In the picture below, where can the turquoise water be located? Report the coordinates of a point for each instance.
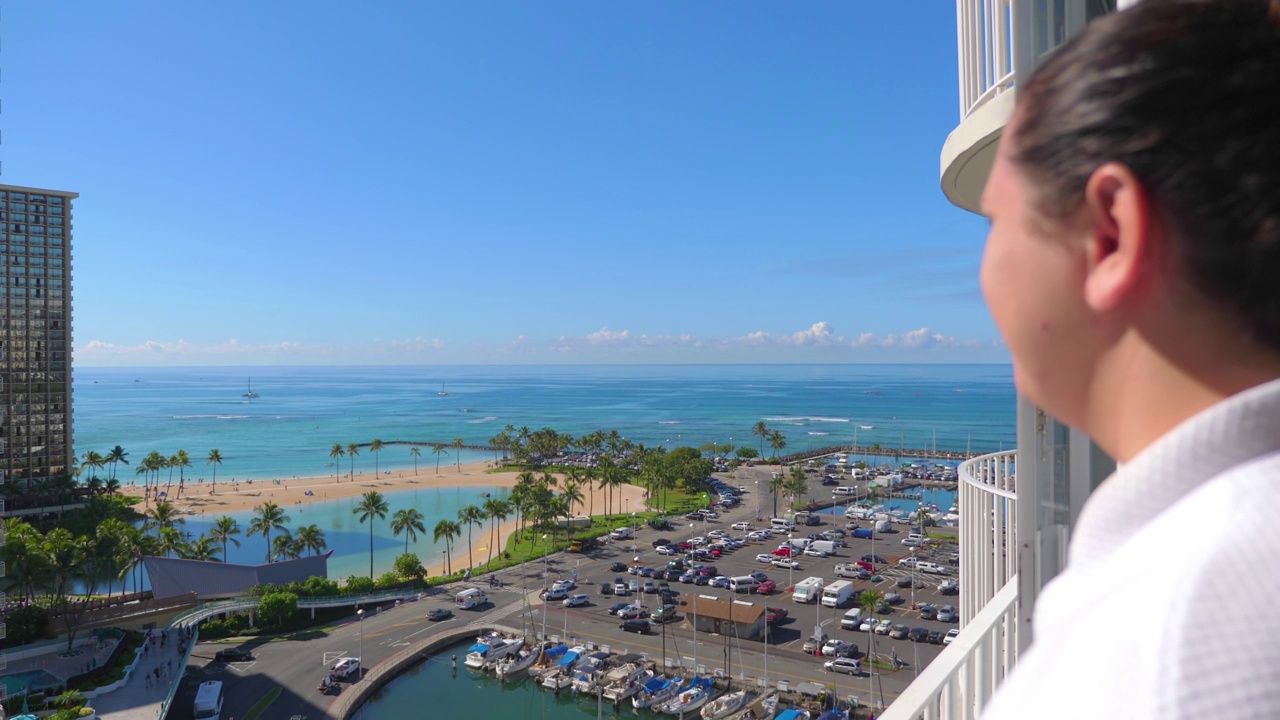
(463, 694)
(303, 411)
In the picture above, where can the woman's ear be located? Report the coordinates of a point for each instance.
(1118, 243)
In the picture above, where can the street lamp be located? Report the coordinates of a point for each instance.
(360, 651)
(913, 577)
(633, 534)
(790, 580)
(757, 501)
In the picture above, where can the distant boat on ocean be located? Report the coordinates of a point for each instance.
(251, 394)
(442, 392)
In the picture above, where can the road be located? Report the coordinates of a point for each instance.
(297, 666)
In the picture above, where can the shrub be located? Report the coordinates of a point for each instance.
(358, 584)
(409, 566)
(26, 624)
(388, 580)
(280, 605)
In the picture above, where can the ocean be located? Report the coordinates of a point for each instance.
(300, 412)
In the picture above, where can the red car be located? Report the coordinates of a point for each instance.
(775, 614)
(684, 546)
(766, 587)
(865, 565)
(783, 551)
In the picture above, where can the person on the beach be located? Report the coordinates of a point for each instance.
(1132, 267)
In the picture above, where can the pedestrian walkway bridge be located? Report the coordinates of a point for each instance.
(209, 609)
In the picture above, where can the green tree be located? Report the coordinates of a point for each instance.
(284, 547)
(778, 486)
(415, 452)
(447, 530)
(409, 566)
(438, 449)
(495, 510)
(117, 455)
(469, 516)
(165, 515)
(777, 441)
(311, 538)
(214, 459)
(269, 517)
(457, 449)
(336, 452)
(760, 430)
(224, 530)
(409, 522)
(352, 451)
(182, 461)
(371, 507)
(375, 447)
(279, 605)
(202, 549)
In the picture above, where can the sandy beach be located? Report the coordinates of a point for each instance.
(202, 498)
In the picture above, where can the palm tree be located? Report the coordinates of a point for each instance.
(94, 461)
(470, 515)
(269, 517)
(284, 548)
(182, 461)
(202, 549)
(336, 452)
(409, 522)
(117, 455)
(371, 507)
(778, 485)
(352, 451)
(415, 452)
(438, 449)
(761, 431)
(495, 510)
(447, 530)
(777, 441)
(165, 515)
(224, 530)
(215, 459)
(457, 448)
(375, 447)
(311, 539)
(170, 540)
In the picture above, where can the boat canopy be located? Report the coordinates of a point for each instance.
(657, 683)
(630, 658)
(478, 647)
(556, 651)
(570, 657)
(791, 714)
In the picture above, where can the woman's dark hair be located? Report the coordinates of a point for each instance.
(1186, 94)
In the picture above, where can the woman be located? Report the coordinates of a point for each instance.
(1133, 268)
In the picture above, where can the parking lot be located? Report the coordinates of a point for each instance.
(738, 542)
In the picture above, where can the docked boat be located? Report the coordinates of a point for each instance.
(490, 650)
(762, 709)
(724, 706)
(626, 679)
(793, 714)
(699, 692)
(513, 665)
(657, 690)
(547, 660)
(565, 670)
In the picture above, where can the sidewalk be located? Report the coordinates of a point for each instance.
(140, 698)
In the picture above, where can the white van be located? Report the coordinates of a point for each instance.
(851, 619)
(622, 533)
(797, 544)
(208, 705)
(782, 524)
(469, 598)
(744, 584)
(843, 490)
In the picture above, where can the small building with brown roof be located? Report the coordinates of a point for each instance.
(735, 618)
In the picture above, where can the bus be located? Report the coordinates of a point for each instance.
(208, 705)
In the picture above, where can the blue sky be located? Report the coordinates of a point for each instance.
(322, 182)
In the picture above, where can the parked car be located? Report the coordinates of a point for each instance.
(606, 588)
(893, 598)
(767, 587)
(618, 567)
(636, 625)
(765, 558)
(850, 650)
(787, 563)
(832, 646)
(904, 581)
(928, 612)
(783, 551)
(661, 542)
(899, 632)
(883, 627)
(849, 666)
(577, 600)
(242, 655)
(919, 634)
(565, 585)
(719, 581)
(949, 587)
(868, 624)
(936, 636)
(950, 636)
(741, 526)
(616, 608)
(947, 614)
(650, 588)
(647, 572)
(668, 550)
(632, 612)
(874, 559)
(554, 593)
(775, 614)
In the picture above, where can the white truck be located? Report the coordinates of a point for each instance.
(825, 546)
(208, 703)
(837, 593)
(807, 590)
(883, 526)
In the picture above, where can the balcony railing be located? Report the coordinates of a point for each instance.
(958, 684)
(1000, 38)
(988, 529)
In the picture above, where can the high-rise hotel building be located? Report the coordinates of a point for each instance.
(35, 334)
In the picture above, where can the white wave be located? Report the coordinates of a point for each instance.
(802, 420)
(867, 427)
(668, 422)
(210, 417)
(818, 433)
(487, 418)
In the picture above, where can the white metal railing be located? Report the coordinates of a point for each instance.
(988, 502)
(985, 30)
(958, 684)
(998, 39)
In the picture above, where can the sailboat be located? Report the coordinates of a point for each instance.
(762, 709)
(700, 690)
(442, 392)
(251, 394)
